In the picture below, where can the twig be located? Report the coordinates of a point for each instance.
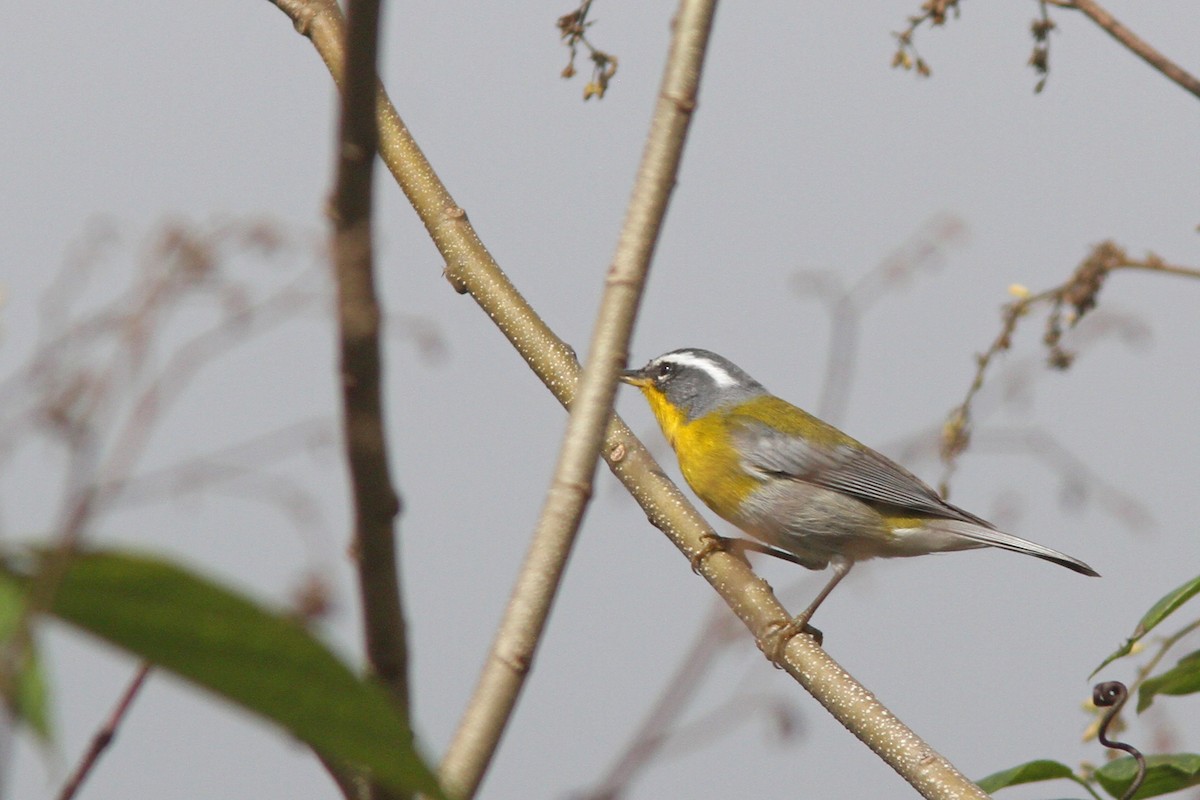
(1146, 670)
(1135, 44)
(932, 12)
(104, 737)
(1069, 303)
(572, 29)
(471, 270)
(376, 503)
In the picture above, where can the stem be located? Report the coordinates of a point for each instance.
(376, 503)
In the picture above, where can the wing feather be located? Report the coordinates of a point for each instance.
(847, 467)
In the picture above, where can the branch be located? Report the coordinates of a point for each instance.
(376, 503)
(471, 269)
(1138, 46)
(1077, 296)
(104, 737)
(487, 715)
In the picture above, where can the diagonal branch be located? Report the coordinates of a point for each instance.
(104, 737)
(471, 269)
(1138, 46)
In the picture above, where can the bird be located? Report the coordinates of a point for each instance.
(809, 492)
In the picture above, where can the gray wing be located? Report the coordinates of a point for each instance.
(859, 472)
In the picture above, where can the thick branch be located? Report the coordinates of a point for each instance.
(375, 501)
(471, 269)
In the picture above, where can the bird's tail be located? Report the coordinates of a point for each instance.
(1006, 541)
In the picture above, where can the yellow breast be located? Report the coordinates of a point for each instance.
(709, 462)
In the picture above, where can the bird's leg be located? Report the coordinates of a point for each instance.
(841, 566)
(739, 547)
(742, 545)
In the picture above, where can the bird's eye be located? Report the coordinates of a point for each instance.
(666, 370)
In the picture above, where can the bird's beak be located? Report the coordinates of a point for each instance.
(634, 377)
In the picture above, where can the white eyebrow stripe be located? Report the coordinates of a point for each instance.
(715, 371)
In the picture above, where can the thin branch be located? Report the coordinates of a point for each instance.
(376, 503)
(104, 737)
(1135, 44)
(1069, 303)
(491, 707)
(471, 270)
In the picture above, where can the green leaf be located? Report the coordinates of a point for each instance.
(1164, 774)
(1029, 772)
(1160, 611)
(1183, 678)
(264, 662)
(24, 690)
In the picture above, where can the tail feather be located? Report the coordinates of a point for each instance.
(1006, 541)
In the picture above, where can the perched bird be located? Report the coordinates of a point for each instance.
(799, 484)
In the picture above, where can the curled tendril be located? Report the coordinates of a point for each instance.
(1112, 695)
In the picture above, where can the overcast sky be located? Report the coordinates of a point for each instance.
(808, 152)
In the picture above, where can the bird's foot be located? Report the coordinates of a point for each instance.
(712, 543)
(786, 630)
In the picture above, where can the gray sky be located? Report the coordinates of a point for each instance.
(807, 153)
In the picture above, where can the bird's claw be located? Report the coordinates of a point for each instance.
(785, 634)
(712, 543)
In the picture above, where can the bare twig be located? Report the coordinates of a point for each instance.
(1069, 303)
(104, 737)
(1078, 478)
(1135, 44)
(471, 269)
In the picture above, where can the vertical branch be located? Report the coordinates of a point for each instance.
(376, 503)
(508, 664)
